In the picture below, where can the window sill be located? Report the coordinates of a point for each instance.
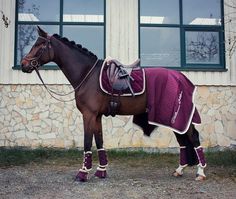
(50, 67)
(201, 69)
(191, 69)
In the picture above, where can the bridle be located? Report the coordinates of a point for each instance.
(34, 61)
(35, 64)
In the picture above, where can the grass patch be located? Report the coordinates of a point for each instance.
(23, 156)
(222, 158)
(140, 157)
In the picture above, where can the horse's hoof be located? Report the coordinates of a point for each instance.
(101, 174)
(200, 178)
(82, 176)
(177, 174)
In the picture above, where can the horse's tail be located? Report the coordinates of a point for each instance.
(142, 121)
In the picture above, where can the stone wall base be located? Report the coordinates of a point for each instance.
(31, 118)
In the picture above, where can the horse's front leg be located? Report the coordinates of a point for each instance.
(89, 129)
(102, 155)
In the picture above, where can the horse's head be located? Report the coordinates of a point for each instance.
(41, 53)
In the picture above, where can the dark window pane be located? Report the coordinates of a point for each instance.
(38, 10)
(91, 37)
(159, 11)
(83, 11)
(202, 12)
(160, 46)
(202, 47)
(27, 35)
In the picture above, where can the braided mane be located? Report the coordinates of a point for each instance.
(76, 46)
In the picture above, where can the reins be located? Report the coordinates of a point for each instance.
(34, 63)
(51, 92)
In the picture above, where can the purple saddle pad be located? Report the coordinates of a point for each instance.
(137, 84)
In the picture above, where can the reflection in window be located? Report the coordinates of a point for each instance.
(87, 37)
(38, 10)
(202, 47)
(160, 46)
(82, 18)
(181, 33)
(159, 11)
(83, 11)
(27, 34)
(202, 12)
(26, 38)
(48, 15)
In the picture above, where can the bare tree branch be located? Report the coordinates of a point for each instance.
(231, 19)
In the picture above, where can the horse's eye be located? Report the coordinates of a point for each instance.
(36, 45)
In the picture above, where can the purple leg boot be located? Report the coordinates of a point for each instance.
(182, 162)
(201, 164)
(183, 156)
(200, 156)
(103, 162)
(87, 166)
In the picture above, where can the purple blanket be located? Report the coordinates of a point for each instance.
(170, 99)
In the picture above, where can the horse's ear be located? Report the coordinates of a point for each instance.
(41, 32)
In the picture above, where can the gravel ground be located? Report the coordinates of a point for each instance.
(124, 181)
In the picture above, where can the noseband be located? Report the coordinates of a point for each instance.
(34, 61)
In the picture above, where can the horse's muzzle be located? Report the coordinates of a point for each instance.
(26, 67)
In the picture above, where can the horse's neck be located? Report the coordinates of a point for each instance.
(73, 65)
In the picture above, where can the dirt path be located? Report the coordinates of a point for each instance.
(125, 181)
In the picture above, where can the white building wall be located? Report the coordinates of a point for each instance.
(122, 30)
(121, 43)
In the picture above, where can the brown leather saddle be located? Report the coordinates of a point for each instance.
(119, 75)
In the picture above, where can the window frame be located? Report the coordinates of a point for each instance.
(59, 23)
(183, 28)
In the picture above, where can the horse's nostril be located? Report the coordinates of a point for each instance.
(23, 67)
(24, 62)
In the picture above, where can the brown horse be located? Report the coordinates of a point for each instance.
(82, 69)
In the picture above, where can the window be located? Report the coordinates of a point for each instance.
(182, 34)
(80, 20)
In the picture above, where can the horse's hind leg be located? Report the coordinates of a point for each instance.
(183, 161)
(102, 155)
(191, 152)
(193, 136)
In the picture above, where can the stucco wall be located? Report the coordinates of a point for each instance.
(30, 117)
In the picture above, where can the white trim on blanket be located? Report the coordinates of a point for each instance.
(123, 95)
(189, 121)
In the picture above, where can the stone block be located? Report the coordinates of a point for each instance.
(219, 129)
(118, 122)
(231, 129)
(203, 92)
(47, 136)
(222, 140)
(20, 134)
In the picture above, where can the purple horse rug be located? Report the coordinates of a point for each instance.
(170, 100)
